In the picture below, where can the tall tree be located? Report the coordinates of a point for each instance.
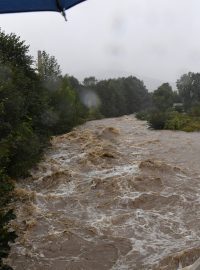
(189, 89)
(13, 51)
(163, 97)
(48, 69)
(90, 81)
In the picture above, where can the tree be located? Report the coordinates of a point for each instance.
(13, 52)
(74, 83)
(163, 97)
(66, 110)
(136, 94)
(121, 96)
(189, 89)
(48, 68)
(66, 106)
(90, 81)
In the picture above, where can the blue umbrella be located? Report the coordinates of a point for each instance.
(13, 6)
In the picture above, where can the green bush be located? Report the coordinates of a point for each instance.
(176, 121)
(6, 236)
(184, 122)
(195, 110)
(94, 114)
(157, 119)
(173, 120)
(192, 125)
(142, 115)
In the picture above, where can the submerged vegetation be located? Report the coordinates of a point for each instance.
(39, 102)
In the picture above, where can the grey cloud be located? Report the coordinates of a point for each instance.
(149, 38)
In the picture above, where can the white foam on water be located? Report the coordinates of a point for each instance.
(115, 171)
(65, 190)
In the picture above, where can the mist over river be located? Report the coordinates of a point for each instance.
(111, 195)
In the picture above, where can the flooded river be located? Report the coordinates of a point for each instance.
(111, 195)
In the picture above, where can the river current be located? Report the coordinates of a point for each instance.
(111, 195)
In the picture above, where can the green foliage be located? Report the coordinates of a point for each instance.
(6, 236)
(142, 115)
(189, 89)
(66, 106)
(195, 110)
(184, 122)
(23, 154)
(173, 117)
(163, 97)
(173, 120)
(121, 96)
(176, 121)
(14, 52)
(65, 109)
(23, 132)
(157, 119)
(193, 125)
(48, 67)
(93, 114)
(6, 188)
(168, 113)
(90, 81)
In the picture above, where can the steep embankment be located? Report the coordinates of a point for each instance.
(111, 195)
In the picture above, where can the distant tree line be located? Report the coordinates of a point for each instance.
(118, 96)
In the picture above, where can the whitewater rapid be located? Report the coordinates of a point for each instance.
(111, 195)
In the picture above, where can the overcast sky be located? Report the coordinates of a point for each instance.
(152, 39)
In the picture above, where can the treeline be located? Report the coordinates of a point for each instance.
(117, 96)
(175, 110)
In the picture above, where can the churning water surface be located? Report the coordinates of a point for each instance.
(111, 195)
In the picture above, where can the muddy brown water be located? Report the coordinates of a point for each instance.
(111, 195)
